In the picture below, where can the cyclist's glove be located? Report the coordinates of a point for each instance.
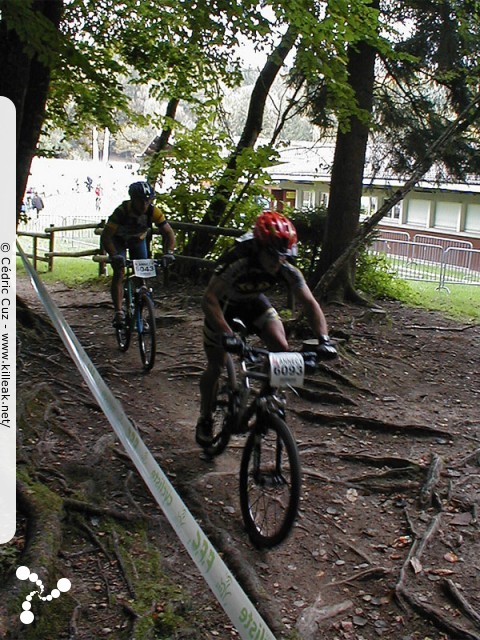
(325, 349)
(231, 343)
(118, 259)
(167, 259)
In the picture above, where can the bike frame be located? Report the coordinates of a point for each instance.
(131, 293)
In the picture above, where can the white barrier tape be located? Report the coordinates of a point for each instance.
(246, 619)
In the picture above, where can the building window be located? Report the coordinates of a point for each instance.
(308, 199)
(472, 218)
(447, 215)
(369, 205)
(394, 212)
(418, 212)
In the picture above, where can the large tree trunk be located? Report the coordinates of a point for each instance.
(25, 80)
(347, 177)
(201, 243)
(469, 116)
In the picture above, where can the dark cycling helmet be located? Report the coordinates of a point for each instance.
(142, 190)
(272, 230)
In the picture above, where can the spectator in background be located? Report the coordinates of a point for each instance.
(37, 203)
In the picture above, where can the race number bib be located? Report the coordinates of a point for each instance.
(144, 268)
(286, 369)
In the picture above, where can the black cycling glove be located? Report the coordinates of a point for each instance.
(325, 348)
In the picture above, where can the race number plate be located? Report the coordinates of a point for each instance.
(286, 369)
(144, 268)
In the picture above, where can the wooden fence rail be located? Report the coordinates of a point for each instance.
(49, 234)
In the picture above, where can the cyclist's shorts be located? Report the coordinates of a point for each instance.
(254, 313)
(137, 249)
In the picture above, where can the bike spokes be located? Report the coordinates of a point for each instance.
(146, 331)
(270, 483)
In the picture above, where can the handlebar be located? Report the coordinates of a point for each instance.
(238, 345)
(162, 262)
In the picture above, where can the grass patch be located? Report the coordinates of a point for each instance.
(377, 278)
(71, 271)
(460, 301)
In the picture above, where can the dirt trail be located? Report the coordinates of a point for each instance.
(388, 540)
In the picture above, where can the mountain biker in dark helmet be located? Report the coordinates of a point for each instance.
(128, 228)
(255, 264)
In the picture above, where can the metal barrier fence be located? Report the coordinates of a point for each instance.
(443, 242)
(429, 262)
(58, 230)
(386, 234)
(436, 260)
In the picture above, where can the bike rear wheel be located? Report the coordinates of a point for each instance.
(124, 333)
(147, 340)
(224, 411)
(270, 481)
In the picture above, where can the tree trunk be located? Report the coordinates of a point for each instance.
(347, 177)
(469, 116)
(201, 243)
(25, 81)
(159, 145)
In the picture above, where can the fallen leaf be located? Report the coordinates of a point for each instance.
(462, 519)
(441, 572)
(451, 557)
(416, 564)
(402, 541)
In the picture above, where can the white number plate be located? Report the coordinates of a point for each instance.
(144, 268)
(286, 369)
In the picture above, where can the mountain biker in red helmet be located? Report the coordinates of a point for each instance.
(256, 264)
(128, 228)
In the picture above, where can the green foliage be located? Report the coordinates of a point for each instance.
(310, 225)
(377, 279)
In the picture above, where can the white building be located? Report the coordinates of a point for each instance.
(450, 210)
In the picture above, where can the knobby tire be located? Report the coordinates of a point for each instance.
(270, 481)
(147, 339)
(124, 333)
(224, 409)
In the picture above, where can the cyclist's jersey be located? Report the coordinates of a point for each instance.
(128, 225)
(240, 268)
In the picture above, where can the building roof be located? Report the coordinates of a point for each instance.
(309, 162)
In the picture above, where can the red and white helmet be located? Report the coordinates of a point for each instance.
(274, 231)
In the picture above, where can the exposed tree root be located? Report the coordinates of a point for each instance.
(380, 461)
(362, 422)
(324, 396)
(416, 326)
(90, 509)
(372, 573)
(44, 513)
(453, 591)
(433, 614)
(243, 572)
(426, 494)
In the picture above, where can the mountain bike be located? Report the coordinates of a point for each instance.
(270, 474)
(138, 307)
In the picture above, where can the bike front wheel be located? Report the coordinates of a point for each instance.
(270, 481)
(123, 333)
(224, 411)
(147, 340)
